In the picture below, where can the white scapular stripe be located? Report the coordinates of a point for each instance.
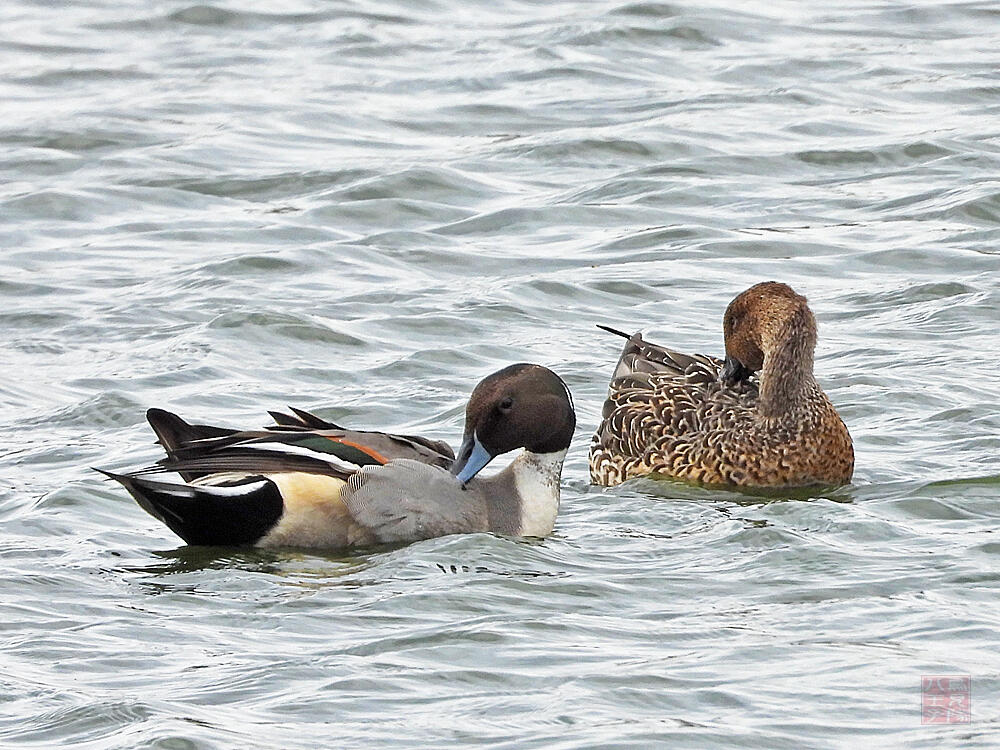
(298, 450)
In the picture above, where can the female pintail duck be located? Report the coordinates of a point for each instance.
(310, 483)
(700, 419)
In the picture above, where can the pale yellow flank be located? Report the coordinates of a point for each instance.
(314, 516)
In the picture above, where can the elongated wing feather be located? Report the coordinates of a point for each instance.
(196, 451)
(641, 357)
(300, 419)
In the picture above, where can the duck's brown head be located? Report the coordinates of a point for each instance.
(522, 406)
(765, 319)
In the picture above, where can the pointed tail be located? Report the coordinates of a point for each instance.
(233, 514)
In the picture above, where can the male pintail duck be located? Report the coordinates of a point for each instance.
(700, 419)
(310, 483)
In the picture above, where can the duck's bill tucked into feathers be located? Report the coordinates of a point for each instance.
(523, 405)
(308, 482)
(757, 419)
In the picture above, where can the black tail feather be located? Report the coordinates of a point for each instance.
(236, 514)
(615, 331)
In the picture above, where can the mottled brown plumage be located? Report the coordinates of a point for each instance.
(759, 419)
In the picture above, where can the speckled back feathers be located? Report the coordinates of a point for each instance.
(674, 414)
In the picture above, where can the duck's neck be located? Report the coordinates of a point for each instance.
(526, 497)
(787, 376)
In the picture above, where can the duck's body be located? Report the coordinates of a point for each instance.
(759, 419)
(309, 483)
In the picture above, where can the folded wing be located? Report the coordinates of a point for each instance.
(303, 444)
(406, 500)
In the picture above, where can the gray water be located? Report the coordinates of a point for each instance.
(362, 209)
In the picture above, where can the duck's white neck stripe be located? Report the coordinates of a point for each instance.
(536, 478)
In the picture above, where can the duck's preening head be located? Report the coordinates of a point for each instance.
(521, 406)
(764, 318)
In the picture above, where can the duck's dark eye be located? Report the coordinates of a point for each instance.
(506, 404)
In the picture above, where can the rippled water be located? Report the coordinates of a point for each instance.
(363, 209)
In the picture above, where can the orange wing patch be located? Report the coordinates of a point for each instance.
(357, 446)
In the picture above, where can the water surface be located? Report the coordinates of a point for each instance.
(364, 210)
